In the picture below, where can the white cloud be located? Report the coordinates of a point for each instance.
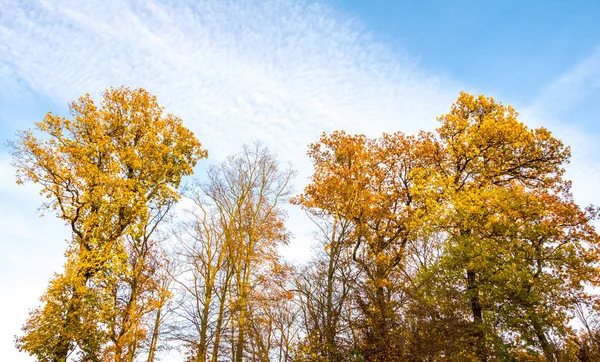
(571, 87)
(551, 109)
(274, 70)
(279, 71)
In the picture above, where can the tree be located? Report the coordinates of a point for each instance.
(511, 225)
(248, 190)
(370, 184)
(468, 243)
(100, 171)
(204, 278)
(138, 292)
(460, 245)
(324, 291)
(230, 256)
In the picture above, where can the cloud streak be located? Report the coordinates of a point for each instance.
(571, 87)
(275, 70)
(551, 109)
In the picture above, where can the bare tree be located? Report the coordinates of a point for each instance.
(229, 252)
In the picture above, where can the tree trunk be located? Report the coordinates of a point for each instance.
(154, 340)
(202, 348)
(547, 346)
(478, 332)
(218, 327)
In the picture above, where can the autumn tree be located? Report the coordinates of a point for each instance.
(370, 184)
(584, 346)
(468, 241)
(460, 245)
(323, 289)
(138, 294)
(272, 314)
(203, 279)
(250, 189)
(99, 170)
(519, 249)
(231, 261)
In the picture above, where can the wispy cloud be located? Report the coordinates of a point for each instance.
(281, 71)
(571, 87)
(278, 71)
(552, 109)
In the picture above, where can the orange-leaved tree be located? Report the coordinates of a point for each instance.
(376, 185)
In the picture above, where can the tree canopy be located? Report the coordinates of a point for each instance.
(460, 244)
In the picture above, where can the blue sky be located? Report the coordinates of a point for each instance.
(512, 49)
(509, 47)
(282, 71)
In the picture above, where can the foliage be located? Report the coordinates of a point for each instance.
(463, 244)
(107, 172)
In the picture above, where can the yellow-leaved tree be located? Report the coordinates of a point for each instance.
(109, 172)
(519, 250)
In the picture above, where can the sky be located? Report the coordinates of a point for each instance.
(282, 72)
